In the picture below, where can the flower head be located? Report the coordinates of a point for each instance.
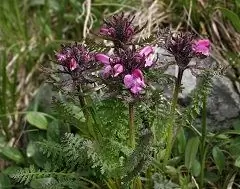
(180, 46)
(119, 29)
(73, 57)
(184, 47)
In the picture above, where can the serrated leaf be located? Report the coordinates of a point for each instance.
(191, 151)
(53, 131)
(37, 119)
(219, 158)
(40, 183)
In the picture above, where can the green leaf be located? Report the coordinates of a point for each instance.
(237, 162)
(181, 141)
(53, 131)
(191, 151)
(42, 183)
(233, 17)
(236, 125)
(31, 149)
(37, 119)
(13, 154)
(219, 158)
(196, 168)
(4, 182)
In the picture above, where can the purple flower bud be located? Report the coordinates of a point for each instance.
(134, 81)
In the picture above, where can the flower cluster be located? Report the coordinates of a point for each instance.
(184, 47)
(127, 64)
(76, 61)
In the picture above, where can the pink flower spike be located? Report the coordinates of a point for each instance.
(103, 58)
(118, 68)
(73, 64)
(202, 46)
(146, 51)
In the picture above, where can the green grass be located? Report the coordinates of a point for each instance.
(30, 32)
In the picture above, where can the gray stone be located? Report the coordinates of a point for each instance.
(223, 105)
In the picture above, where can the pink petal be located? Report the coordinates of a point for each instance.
(128, 81)
(137, 74)
(61, 57)
(73, 64)
(139, 82)
(103, 58)
(202, 46)
(118, 68)
(146, 51)
(104, 31)
(149, 61)
(107, 71)
(130, 31)
(136, 89)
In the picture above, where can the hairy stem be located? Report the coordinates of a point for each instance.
(203, 140)
(87, 113)
(171, 120)
(131, 125)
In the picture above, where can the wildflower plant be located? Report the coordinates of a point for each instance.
(114, 97)
(183, 47)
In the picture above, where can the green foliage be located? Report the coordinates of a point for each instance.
(160, 182)
(203, 88)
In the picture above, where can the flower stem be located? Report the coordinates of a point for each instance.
(131, 125)
(203, 140)
(172, 115)
(87, 113)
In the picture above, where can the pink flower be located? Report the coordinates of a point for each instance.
(147, 52)
(134, 81)
(202, 46)
(109, 69)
